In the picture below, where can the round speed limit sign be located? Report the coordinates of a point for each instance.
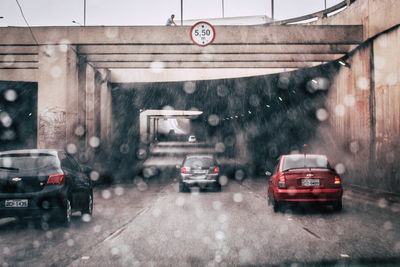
(202, 33)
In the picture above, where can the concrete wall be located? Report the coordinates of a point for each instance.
(376, 16)
(364, 108)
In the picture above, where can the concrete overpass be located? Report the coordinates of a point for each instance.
(73, 68)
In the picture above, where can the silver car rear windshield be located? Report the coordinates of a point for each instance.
(305, 161)
(17, 162)
(199, 162)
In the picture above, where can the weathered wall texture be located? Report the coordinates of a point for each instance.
(364, 108)
(376, 16)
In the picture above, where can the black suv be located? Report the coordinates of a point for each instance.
(43, 183)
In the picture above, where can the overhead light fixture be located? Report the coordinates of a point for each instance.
(344, 63)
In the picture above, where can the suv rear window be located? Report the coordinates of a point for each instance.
(28, 161)
(305, 161)
(201, 161)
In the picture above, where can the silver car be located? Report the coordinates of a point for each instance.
(199, 170)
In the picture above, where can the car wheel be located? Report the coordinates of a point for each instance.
(218, 187)
(337, 205)
(66, 212)
(88, 209)
(269, 200)
(276, 206)
(182, 187)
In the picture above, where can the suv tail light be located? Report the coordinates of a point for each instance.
(56, 179)
(337, 180)
(183, 170)
(282, 181)
(216, 169)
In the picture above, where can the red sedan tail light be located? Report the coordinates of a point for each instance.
(216, 169)
(183, 170)
(282, 181)
(56, 179)
(337, 180)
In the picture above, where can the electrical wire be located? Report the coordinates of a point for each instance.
(30, 29)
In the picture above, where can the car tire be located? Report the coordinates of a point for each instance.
(182, 187)
(218, 187)
(337, 205)
(88, 208)
(277, 206)
(66, 212)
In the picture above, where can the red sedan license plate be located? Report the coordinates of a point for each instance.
(16, 203)
(310, 182)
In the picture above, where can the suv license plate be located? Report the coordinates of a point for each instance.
(16, 203)
(310, 182)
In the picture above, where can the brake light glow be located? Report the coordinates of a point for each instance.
(282, 182)
(183, 170)
(337, 180)
(56, 179)
(216, 169)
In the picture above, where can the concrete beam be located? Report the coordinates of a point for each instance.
(176, 75)
(214, 57)
(216, 49)
(19, 50)
(19, 75)
(18, 58)
(204, 65)
(261, 34)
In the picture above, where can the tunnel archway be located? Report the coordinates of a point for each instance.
(256, 118)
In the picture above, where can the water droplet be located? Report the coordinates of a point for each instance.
(114, 251)
(80, 130)
(322, 114)
(106, 194)
(222, 218)
(10, 95)
(94, 141)
(71, 148)
(219, 147)
(180, 201)
(70, 242)
(213, 120)
(94, 176)
(340, 168)
(156, 212)
(141, 154)
(217, 205)
(56, 71)
(86, 218)
(239, 175)
(363, 83)
(5, 119)
(223, 180)
(222, 90)
(354, 147)
(124, 148)
(238, 197)
(388, 226)
(189, 87)
(340, 110)
(219, 235)
(349, 100)
(36, 244)
(157, 66)
(119, 190)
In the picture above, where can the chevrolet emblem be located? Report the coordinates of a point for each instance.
(16, 179)
(310, 175)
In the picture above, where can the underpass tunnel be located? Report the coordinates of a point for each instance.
(253, 119)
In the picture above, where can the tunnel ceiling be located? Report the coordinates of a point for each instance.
(277, 48)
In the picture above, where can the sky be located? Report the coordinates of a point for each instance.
(146, 12)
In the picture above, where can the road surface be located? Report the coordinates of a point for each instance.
(154, 225)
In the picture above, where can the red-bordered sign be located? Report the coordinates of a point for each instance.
(202, 33)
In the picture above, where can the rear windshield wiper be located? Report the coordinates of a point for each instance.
(9, 168)
(295, 168)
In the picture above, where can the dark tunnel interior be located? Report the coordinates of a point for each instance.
(273, 114)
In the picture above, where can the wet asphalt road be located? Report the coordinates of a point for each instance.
(155, 225)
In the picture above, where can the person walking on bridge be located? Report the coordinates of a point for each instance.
(170, 21)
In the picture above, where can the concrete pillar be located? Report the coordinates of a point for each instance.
(57, 95)
(106, 108)
(90, 103)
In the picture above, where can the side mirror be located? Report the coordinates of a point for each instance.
(268, 173)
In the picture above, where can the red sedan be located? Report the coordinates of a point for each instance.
(304, 178)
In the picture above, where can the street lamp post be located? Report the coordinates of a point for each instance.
(84, 12)
(223, 9)
(181, 12)
(272, 10)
